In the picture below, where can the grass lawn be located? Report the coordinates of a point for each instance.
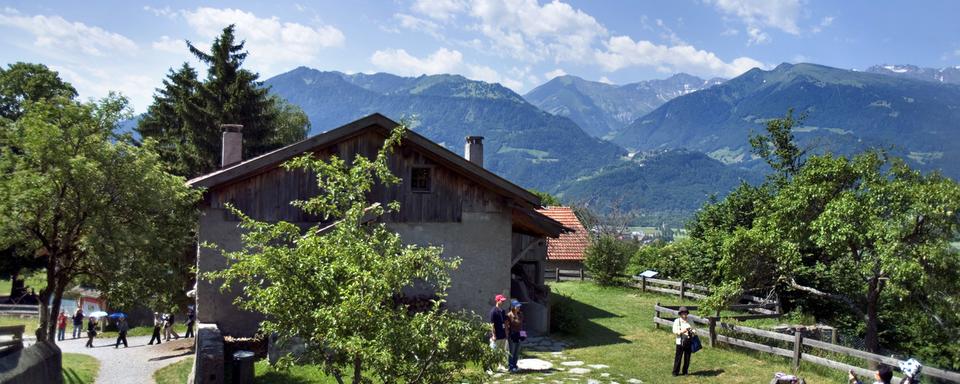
(617, 330)
(31, 323)
(309, 374)
(175, 373)
(180, 328)
(36, 280)
(79, 369)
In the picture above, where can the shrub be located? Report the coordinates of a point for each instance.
(607, 258)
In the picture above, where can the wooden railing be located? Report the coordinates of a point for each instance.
(15, 342)
(19, 309)
(558, 274)
(797, 341)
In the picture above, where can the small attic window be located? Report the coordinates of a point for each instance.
(420, 179)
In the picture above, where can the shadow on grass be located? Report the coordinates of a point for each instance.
(590, 333)
(707, 373)
(71, 377)
(280, 377)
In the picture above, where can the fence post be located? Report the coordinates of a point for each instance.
(558, 274)
(643, 283)
(713, 332)
(797, 348)
(656, 315)
(683, 287)
(581, 274)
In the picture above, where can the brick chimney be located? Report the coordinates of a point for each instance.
(232, 150)
(473, 150)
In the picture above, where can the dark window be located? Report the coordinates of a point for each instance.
(420, 179)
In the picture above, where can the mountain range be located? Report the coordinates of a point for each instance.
(602, 109)
(950, 75)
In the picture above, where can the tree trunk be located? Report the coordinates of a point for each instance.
(46, 331)
(357, 371)
(871, 338)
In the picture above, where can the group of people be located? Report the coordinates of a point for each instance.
(508, 330)
(164, 321)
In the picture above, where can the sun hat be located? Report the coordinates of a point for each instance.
(499, 298)
(684, 310)
(515, 303)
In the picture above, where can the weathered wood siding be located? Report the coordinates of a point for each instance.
(267, 194)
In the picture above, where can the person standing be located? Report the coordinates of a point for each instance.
(77, 323)
(498, 318)
(191, 318)
(61, 325)
(516, 333)
(91, 331)
(168, 327)
(122, 328)
(157, 323)
(683, 332)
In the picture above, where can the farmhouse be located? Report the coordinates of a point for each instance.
(568, 250)
(446, 200)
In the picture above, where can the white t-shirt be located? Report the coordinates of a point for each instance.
(680, 325)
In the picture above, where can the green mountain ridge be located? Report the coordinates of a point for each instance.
(846, 111)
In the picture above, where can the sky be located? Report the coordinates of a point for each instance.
(129, 46)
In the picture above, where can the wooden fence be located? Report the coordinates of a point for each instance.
(797, 341)
(19, 309)
(15, 340)
(558, 274)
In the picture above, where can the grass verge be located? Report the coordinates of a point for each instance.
(176, 373)
(79, 368)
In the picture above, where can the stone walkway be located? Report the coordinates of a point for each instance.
(135, 364)
(551, 365)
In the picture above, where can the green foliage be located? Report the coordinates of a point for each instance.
(90, 206)
(607, 258)
(862, 241)
(339, 289)
(564, 319)
(186, 113)
(546, 199)
(23, 82)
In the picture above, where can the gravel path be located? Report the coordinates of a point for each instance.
(135, 364)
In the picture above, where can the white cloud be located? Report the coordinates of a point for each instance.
(622, 51)
(757, 36)
(162, 12)
(96, 82)
(826, 21)
(439, 9)
(55, 32)
(555, 73)
(414, 23)
(605, 80)
(525, 30)
(168, 45)
(490, 75)
(277, 44)
(730, 32)
(398, 61)
(780, 14)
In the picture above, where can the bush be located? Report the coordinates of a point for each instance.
(607, 258)
(564, 319)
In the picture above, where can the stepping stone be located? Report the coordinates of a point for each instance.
(534, 365)
(579, 371)
(604, 374)
(599, 366)
(634, 381)
(556, 353)
(572, 363)
(592, 381)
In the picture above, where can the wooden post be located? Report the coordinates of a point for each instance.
(643, 283)
(656, 315)
(797, 348)
(713, 332)
(683, 287)
(558, 274)
(581, 274)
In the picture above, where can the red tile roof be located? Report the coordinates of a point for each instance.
(569, 246)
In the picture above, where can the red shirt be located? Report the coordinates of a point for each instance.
(62, 321)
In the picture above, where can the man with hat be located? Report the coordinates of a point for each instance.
(498, 317)
(683, 332)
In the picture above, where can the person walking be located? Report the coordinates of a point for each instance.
(157, 324)
(884, 375)
(191, 318)
(516, 333)
(168, 327)
(77, 323)
(683, 332)
(498, 318)
(61, 325)
(91, 331)
(122, 328)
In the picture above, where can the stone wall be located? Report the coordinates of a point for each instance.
(208, 366)
(39, 363)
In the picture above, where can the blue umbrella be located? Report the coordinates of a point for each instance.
(117, 315)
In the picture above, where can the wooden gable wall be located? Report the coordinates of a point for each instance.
(267, 195)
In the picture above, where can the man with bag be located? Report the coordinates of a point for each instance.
(684, 336)
(498, 317)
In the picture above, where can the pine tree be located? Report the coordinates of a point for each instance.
(173, 119)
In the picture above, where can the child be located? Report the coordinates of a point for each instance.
(61, 325)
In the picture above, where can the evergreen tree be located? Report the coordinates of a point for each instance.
(186, 115)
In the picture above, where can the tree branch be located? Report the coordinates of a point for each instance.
(816, 292)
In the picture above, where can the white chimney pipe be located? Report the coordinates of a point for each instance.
(473, 150)
(232, 150)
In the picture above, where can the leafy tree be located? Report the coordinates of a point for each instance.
(606, 258)
(339, 286)
(186, 114)
(24, 82)
(546, 199)
(89, 206)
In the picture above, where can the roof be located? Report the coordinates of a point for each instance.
(524, 201)
(570, 245)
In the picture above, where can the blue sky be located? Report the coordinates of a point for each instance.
(128, 46)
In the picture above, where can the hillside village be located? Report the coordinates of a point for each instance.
(229, 205)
